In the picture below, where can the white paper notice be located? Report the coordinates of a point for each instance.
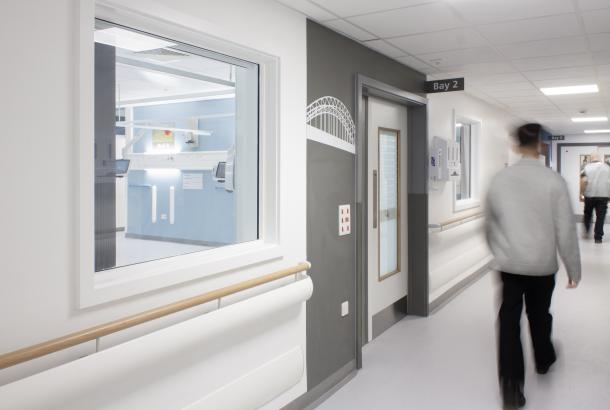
(192, 181)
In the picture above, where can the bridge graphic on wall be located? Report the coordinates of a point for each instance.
(330, 122)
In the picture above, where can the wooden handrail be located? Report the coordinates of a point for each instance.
(457, 220)
(73, 339)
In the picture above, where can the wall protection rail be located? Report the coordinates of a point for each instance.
(94, 333)
(453, 222)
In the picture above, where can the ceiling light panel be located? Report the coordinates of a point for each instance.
(569, 90)
(590, 119)
(597, 131)
(129, 40)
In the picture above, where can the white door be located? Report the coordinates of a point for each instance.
(572, 160)
(387, 199)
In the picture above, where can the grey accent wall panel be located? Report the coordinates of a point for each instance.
(333, 62)
(330, 337)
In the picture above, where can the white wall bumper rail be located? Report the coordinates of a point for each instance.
(247, 355)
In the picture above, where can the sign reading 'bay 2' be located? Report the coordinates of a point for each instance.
(443, 86)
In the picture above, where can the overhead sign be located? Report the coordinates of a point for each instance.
(443, 86)
(558, 138)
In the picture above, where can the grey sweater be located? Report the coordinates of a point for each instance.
(529, 219)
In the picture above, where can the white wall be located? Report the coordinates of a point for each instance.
(460, 251)
(38, 295)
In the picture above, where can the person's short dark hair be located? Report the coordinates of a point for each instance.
(529, 135)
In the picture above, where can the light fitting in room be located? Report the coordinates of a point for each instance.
(459, 124)
(129, 40)
(590, 119)
(597, 131)
(573, 89)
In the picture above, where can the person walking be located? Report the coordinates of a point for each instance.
(528, 220)
(595, 187)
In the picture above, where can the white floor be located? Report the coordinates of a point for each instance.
(132, 250)
(448, 361)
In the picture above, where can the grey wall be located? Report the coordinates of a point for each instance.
(332, 64)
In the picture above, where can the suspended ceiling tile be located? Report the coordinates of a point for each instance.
(543, 48)
(492, 11)
(599, 42)
(559, 73)
(350, 30)
(384, 48)
(309, 9)
(346, 8)
(439, 41)
(497, 78)
(461, 57)
(517, 93)
(484, 68)
(597, 21)
(547, 63)
(593, 4)
(412, 20)
(417, 65)
(530, 30)
(602, 57)
(518, 85)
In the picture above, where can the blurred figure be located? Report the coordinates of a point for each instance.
(595, 187)
(528, 219)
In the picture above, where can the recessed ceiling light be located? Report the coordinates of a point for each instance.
(590, 119)
(129, 40)
(573, 89)
(597, 131)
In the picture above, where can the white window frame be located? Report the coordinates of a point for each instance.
(474, 201)
(121, 282)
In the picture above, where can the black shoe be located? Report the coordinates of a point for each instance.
(512, 395)
(544, 369)
(598, 241)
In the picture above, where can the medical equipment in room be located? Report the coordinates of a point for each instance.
(121, 167)
(438, 160)
(219, 171)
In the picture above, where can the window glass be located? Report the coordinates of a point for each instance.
(389, 193)
(176, 148)
(463, 136)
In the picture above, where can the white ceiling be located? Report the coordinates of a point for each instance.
(506, 49)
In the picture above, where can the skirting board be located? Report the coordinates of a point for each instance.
(316, 396)
(389, 316)
(452, 292)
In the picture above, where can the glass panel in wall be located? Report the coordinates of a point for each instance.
(176, 148)
(463, 138)
(389, 194)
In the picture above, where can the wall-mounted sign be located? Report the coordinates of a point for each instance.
(192, 181)
(162, 139)
(443, 86)
(558, 137)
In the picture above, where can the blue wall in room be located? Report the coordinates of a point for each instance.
(223, 129)
(206, 215)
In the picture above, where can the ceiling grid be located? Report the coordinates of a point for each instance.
(506, 49)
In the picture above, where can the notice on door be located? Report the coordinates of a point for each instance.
(192, 181)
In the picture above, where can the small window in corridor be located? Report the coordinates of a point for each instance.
(176, 148)
(463, 134)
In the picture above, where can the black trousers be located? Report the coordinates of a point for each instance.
(537, 292)
(600, 205)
